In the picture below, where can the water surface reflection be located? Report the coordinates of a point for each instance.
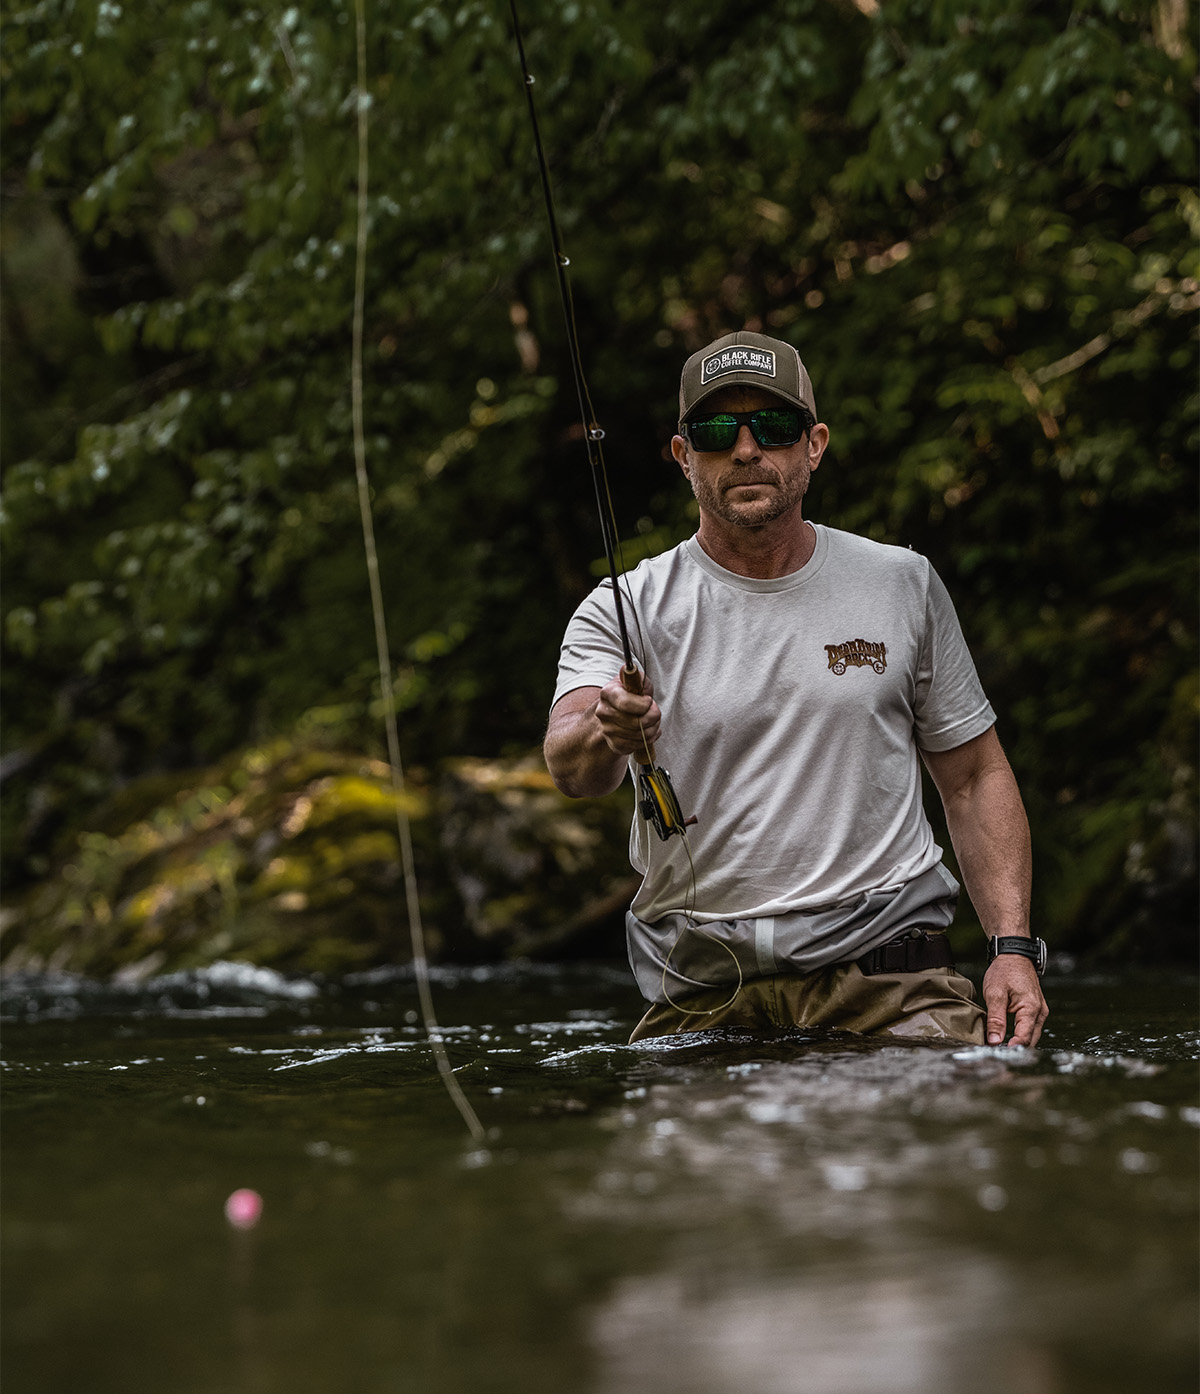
(714, 1214)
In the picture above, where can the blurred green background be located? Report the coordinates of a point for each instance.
(978, 224)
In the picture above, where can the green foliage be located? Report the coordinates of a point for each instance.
(980, 228)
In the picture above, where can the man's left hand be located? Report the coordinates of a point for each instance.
(1011, 988)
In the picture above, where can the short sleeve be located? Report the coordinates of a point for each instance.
(591, 653)
(951, 707)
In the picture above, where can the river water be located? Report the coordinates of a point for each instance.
(806, 1214)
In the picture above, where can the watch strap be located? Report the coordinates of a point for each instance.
(1032, 949)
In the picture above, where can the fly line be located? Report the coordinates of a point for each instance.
(420, 960)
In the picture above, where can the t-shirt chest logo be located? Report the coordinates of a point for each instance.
(856, 653)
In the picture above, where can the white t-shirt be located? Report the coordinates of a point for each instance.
(792, 713)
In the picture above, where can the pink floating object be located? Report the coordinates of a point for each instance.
(243, 1209)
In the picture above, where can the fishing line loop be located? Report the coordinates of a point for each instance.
(697, 1011)
(688, 912)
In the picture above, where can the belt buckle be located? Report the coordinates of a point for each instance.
(906, 943)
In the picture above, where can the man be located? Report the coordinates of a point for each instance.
(800, 672)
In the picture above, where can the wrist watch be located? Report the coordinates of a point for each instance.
(1033, 949)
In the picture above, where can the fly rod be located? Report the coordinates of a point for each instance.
(656, 796)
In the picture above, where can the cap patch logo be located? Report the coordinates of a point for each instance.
(856, 653)
(738, 360)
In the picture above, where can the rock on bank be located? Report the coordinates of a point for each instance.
(287, 856)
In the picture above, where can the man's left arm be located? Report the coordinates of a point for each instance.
(990, 834)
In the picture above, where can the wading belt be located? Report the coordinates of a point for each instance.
(911, 952)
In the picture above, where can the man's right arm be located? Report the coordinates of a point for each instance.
(592, 733)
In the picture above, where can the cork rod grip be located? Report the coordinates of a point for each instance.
(631, 681)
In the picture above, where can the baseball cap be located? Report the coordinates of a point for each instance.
(745, 359)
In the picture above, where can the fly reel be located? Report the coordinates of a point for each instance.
(657, 801)
(658, 804)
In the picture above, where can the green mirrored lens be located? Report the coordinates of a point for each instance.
(715, 433)
(775, 427)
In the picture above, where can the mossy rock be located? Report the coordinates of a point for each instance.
(288, 856)
(533, 870)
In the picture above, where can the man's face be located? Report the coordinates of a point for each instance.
(749, 485)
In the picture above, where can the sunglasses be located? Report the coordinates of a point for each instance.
(771, 427)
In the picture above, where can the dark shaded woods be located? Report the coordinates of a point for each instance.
(980, 230)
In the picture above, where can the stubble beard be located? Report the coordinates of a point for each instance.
(786, 495)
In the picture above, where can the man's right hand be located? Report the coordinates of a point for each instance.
(630, 723)
(592, 733)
